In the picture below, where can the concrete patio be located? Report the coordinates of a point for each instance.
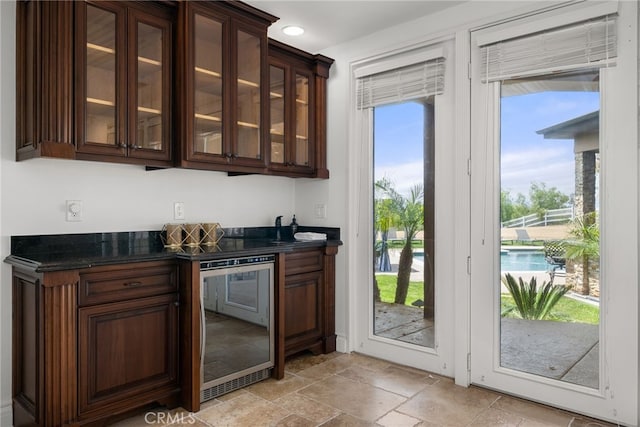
(560, 350)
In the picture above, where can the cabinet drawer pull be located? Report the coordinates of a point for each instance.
(133, 284)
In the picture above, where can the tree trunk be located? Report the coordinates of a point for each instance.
(404, 273)
(586, 289)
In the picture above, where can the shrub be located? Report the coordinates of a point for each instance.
(531, 302)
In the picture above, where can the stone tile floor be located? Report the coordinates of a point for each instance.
(354, 390)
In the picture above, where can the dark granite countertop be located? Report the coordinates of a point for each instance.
(74, 251)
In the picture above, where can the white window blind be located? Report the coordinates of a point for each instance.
(589, 44)
(401, 84)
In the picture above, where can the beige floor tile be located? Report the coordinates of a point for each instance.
(445, 403)
(346, 420)
(588, 422)
(358, 399)
(396, 419)
(533, 411)
(307, 360)
(160, 417)
(295, 420)
(391, 378)
(496, 417)
(274, 389)
(245, 410)
(307, 408)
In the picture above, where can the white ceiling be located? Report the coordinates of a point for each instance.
(331, 22)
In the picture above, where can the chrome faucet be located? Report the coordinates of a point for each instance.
(278, 227)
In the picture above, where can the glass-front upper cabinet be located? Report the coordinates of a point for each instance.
(289, 117)
(297, 100)
(124, 82)
(223, 94)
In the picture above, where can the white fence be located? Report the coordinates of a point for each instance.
(550, 217)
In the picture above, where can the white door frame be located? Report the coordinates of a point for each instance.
(616, 400)
(440, 358)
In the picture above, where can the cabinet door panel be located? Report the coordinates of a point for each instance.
(101, 78)
(303, 302)
(127, 350)
(302, 111)
(277, 96)
(149, 85)
(248, 96)
(208, 92)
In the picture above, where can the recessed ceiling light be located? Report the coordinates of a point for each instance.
(293, 30)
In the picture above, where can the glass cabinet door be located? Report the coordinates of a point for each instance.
(149, 110)
(101, 119)
(208, 93)
(277, 109)
(124, 80)
(302, 120)
(247, 138)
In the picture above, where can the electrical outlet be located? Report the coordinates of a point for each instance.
(74, 210)
(178, 210)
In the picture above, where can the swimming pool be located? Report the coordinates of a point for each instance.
(523, 261)
(516, 260)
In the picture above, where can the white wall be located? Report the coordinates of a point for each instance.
(115, 197)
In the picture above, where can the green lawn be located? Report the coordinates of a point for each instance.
(567, 309)
(387, 285)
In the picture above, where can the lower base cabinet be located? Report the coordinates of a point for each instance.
(91, 345)
(309, 301)
(127, 353)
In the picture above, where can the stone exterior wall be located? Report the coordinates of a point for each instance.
(585, 195)
(575, 275)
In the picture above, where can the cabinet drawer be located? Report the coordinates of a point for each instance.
(304, 261)
(123, 282)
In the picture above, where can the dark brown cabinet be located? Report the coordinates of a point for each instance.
(123, 63)
(223, 96)
(44, 79)
(97, 81)
(189, 84)
(309, 300)
(91, 344)
(297, 113)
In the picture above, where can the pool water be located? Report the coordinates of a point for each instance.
(516, 261)
(523, 261)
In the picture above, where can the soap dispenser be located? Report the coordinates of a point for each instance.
(294, 226)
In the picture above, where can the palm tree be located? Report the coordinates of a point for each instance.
(585, 245)
(408, 214)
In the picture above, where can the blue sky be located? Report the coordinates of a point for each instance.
(525, 156)
(398, 131)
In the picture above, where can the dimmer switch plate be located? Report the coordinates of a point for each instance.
(74, 210)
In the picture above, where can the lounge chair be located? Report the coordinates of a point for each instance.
(522, 235)
(555, 255)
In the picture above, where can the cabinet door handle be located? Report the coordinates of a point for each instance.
(132, 284)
